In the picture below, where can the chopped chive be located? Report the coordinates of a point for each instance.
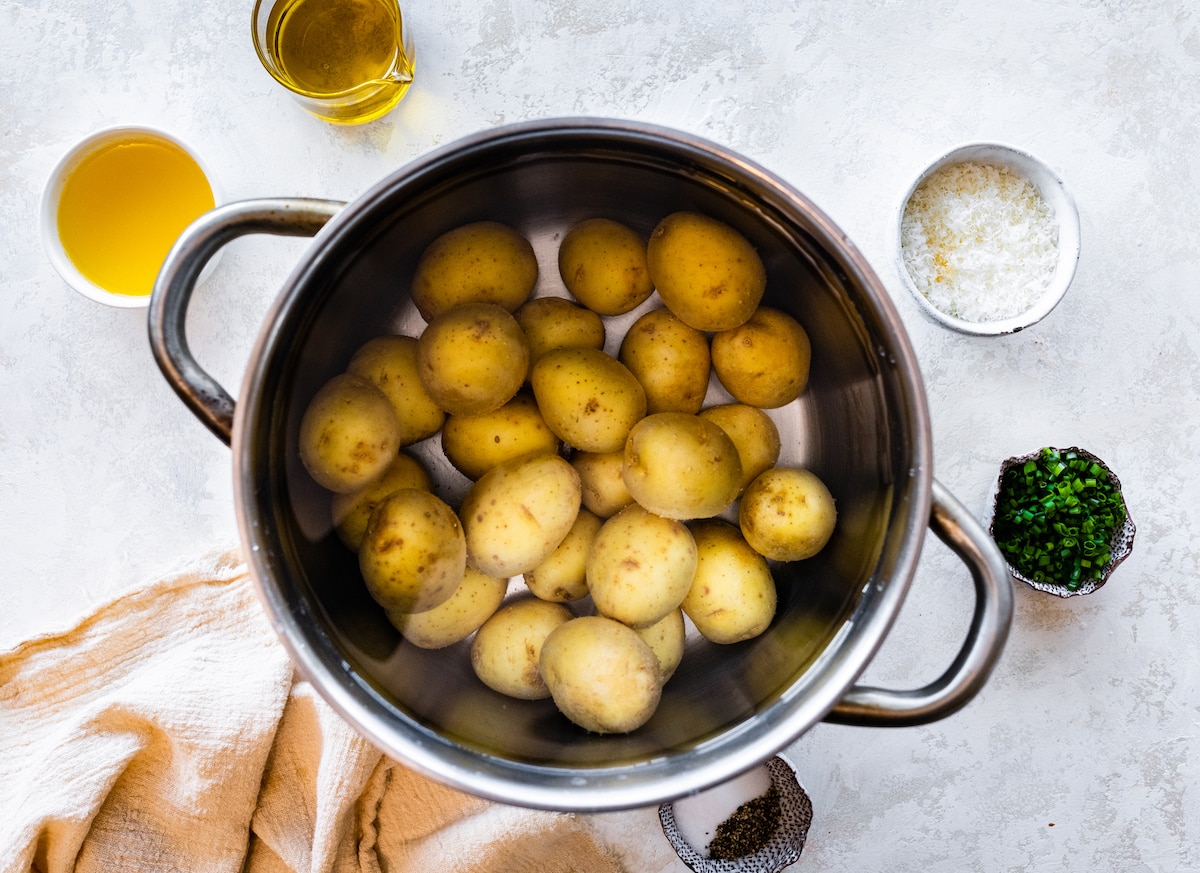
(1056, 516)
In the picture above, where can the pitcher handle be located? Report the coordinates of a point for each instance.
(177, 278)
(879, 707)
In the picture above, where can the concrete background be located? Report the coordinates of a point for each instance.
(1082, 753)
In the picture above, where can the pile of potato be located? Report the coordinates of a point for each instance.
(594, 476)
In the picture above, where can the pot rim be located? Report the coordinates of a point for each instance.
(669, 776)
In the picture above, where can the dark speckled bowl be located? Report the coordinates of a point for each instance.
(780, 852)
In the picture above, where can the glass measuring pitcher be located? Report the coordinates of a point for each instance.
(345, 61)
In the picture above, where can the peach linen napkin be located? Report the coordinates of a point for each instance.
(167, 732)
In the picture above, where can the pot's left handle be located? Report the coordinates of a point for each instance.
(180, 272)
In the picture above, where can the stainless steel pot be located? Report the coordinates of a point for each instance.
(862, 425)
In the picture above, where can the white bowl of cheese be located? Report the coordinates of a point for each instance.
(987, 239)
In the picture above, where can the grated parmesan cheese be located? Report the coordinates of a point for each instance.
(978, 241)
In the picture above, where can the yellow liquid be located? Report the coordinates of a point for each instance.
(323, 49)
(122, 208)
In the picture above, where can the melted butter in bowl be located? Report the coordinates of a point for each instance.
(114, 206)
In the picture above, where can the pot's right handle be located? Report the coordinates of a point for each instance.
(879, 707)
(180, 272)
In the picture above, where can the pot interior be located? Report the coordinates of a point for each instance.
(859, 425)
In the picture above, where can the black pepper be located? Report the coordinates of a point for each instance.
(748, 829)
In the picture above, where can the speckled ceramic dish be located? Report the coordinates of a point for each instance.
(782, 850)
(1120, 545)
(1066, 214)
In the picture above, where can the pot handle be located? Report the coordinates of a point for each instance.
(180, 272)
(878, 707)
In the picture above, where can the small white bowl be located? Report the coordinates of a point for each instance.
(1056, 195)
(52, 243)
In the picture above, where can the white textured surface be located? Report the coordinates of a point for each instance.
(1083, 752)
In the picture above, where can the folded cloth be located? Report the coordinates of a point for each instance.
(168, 732)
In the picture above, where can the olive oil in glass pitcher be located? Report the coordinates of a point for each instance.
(345, 61)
